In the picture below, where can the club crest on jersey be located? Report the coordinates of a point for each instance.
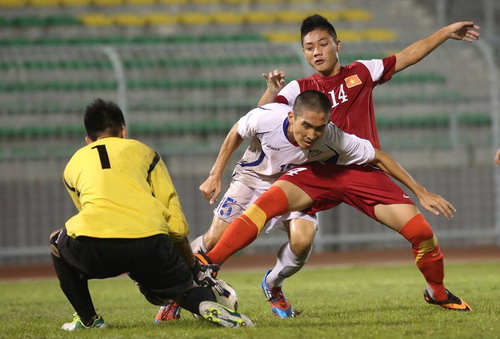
(313, 153)
(352, 81)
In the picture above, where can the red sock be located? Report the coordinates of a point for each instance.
(245, 229)
(428, 257)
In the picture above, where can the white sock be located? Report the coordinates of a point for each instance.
(287, 265)
(198, 246)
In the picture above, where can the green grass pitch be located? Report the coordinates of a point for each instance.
(338, 302)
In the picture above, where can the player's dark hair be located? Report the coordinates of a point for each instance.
(313, 101)
(315, 22)
(103, 117)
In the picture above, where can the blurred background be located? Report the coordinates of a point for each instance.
(184, 71)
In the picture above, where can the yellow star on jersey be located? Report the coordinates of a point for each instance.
(352, 81)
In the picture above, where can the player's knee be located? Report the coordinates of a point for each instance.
(154, 297)
(425, 231)
(301, 247)
(417, 230)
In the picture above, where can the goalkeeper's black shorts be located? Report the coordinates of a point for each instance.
(152, 262)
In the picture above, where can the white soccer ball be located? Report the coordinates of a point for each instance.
(225, 294)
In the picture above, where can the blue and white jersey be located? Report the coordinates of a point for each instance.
(271, 153)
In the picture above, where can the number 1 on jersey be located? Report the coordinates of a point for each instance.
(103, 156)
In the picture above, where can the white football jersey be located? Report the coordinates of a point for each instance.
(271, 153)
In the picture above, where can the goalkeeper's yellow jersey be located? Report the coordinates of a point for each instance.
(122, 189)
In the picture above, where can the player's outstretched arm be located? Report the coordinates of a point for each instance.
(275, 82)
(497, 157)
(463, 30)
(211, 187)
(434, 203)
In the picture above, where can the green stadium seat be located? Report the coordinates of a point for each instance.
(441, 96)
(27, 21)
(4, 22)
(62, 20)
(421, 78)
(435, 120)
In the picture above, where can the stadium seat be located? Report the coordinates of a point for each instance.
(62, 20)
(350, 35)
(355, 14)
(193, 18)
(227, 18)
(13, 3)
(271, 1)
(44, 3)
(140, 39)
(260, 17)
(158, 19)
(173, 2)
(290, 16)
(140, 2)
(129, 20)
(331, 15)
(203, 2)
(27, 21)
(96, 20)
(237, 1)
(107, 2)
(282, 36)
(4, 22)
(380, 35)
(74, 3)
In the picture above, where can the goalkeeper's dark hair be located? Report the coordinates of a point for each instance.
(312, 101)
(103, 118)
(315, 22)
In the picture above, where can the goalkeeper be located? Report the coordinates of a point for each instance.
(130, 221)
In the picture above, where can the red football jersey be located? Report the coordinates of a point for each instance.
(350, 92)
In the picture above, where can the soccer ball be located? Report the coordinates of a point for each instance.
(225, 294)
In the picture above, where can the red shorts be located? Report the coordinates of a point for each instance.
(362, 187)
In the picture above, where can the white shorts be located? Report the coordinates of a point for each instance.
(239, 197)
